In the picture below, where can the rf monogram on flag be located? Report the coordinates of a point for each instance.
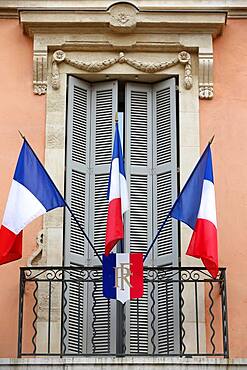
(123, 276)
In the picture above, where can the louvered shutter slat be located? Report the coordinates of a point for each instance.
(77, 174)
(102, 311)
(138, 342)
(165, 170)
(139, 218)
(103, 100)
(100, 212)
(76, 317)
(138, 164)
(104, 107)
(165, 192)
(77, 194)
(164, 204)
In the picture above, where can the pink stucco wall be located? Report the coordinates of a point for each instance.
(20, 110)
(226, 117)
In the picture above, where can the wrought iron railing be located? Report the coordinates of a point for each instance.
(62, 312)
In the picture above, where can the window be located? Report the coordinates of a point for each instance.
(151, 169)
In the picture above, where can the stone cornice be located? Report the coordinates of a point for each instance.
(235, 8)
(140, 4)
(144, 22)
(8, 13)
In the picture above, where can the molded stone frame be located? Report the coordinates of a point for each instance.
(55, 147)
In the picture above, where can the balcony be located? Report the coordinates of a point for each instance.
(62, 312)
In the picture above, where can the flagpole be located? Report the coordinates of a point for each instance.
(164, 222)
(83, 232)
(65, 203)
(211, 140)
(156, 237)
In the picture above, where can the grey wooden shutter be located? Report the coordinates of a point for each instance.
(103, 110)
(77, 196)
(152, 176)
(138, 225)
(90, 122)
(165, 252)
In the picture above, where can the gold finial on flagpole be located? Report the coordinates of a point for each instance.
(22, 136)
(116, 117)
(211, 140)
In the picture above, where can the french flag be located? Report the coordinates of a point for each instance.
(123, 276)
(117, 196)
(32, 194)
(195, 206)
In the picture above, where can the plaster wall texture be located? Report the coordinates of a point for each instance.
(20, 110)
(225, 116)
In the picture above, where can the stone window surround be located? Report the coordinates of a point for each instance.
(147, 44)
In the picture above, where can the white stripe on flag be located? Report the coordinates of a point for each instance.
(118, 187)
(207, 210)
(22, 207)
(115, 186)
(124, 194)
(122, 295)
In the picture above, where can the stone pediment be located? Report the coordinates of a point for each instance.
(123, 27)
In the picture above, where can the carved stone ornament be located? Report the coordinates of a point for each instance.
(96, 66)
(37, 254)
(185, 59)
(206, 89)
(122, 17)
(40, 73)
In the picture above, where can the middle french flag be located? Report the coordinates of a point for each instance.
(117, 196)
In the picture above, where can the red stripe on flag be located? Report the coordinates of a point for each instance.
(10, 245)
(114, 228)
(136, 278)
(203, 245)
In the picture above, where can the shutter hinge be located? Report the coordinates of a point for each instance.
(178, 169)
(177, 88)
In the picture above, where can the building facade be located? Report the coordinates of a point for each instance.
(177, 72)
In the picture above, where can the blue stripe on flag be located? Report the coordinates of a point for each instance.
(118, 152)
(30, 173)
(187, 205)
(109, 263)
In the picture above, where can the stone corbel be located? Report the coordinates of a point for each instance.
(183, 57)
(40, 72)
(206, 89)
